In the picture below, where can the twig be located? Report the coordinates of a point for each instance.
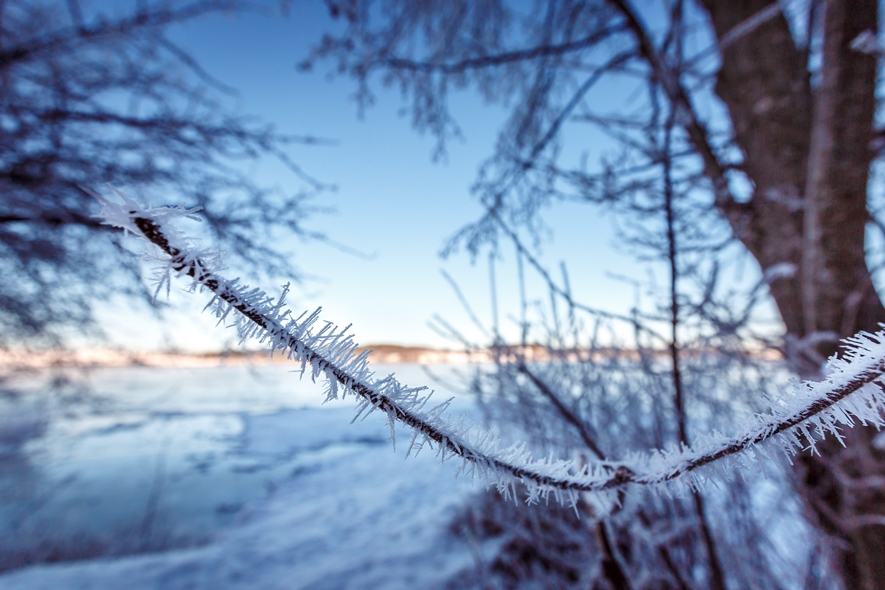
(331, 353)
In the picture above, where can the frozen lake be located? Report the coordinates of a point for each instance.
(242, 473)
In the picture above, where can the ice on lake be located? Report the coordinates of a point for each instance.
(222, 477)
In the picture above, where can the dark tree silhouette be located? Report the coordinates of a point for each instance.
(91, 98)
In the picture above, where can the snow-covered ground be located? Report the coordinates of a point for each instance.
(275, 490)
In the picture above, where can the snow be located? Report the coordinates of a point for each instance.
(866, 42)
(355, 521)
(781, 270)
(277, 435)
(341, 508)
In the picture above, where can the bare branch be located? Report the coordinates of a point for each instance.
(488, 61)
(106, 29)
(677, 94)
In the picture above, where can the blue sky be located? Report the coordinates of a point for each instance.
(392, 201)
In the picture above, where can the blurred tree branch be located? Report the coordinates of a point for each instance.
(90, 97)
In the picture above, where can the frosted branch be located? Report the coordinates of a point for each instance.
(852, 392)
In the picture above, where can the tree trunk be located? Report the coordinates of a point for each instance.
(807, 150)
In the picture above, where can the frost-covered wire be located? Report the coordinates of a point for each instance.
(852, 391)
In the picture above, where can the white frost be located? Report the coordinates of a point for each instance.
(806, 412)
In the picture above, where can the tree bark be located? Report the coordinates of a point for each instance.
(765, 85)
(807, 151)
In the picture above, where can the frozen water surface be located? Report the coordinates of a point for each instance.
(240, 476)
